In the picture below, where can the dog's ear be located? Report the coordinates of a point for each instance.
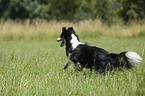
(63, 28)
(70, 29)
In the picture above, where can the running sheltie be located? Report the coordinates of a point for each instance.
(83, 55)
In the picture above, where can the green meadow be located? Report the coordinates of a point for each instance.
(31, 61)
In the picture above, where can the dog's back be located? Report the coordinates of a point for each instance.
(86, 55)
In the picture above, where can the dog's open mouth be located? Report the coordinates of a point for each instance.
(62, 41)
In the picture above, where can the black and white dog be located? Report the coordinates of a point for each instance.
(83, 55)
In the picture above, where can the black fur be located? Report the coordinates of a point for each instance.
(92, 57)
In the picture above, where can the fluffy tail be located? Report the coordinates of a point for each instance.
(124, 59)
(133, 58)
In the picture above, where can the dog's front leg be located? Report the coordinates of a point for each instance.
(68, 63)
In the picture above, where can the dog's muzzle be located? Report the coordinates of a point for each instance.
(61, 39)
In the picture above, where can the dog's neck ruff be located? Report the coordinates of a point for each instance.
(74, 41)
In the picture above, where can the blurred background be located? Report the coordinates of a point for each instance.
(106, 10)
(80, 13)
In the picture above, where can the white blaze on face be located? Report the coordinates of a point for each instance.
(75, 41)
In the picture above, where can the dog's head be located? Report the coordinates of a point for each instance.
(65, 35)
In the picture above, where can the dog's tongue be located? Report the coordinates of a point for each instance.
(62, 43)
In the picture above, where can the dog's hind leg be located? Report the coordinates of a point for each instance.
(77, 66)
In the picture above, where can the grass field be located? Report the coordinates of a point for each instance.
(30, 66)
(35, 68)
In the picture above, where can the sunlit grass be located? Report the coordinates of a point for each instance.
(36, 68)
(31, 62)
(39, 30)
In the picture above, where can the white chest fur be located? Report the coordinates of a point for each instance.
(74, 41)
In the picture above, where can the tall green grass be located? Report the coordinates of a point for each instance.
(29, 68)
(18, 30)
(31, 62)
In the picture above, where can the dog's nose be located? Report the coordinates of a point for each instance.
(58, 39)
